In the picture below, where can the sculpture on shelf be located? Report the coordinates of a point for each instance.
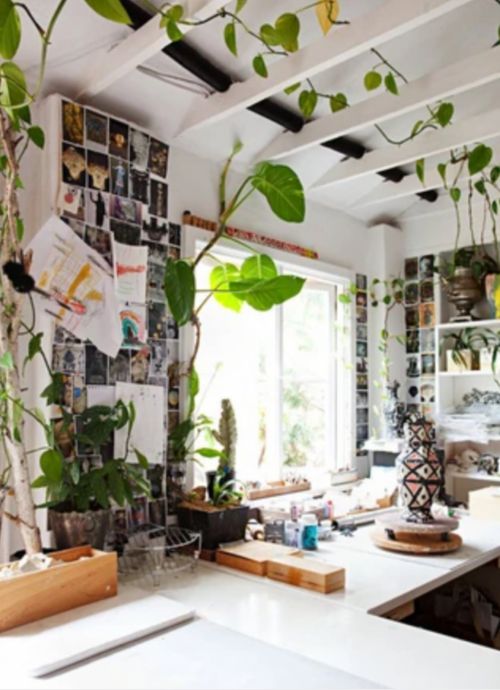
(394, 411)
(419, 470)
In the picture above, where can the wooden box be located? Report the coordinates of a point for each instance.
(307, 572)
(253, 556)
(484, 504)
(85, 575)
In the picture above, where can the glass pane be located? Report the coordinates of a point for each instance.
(304, 424)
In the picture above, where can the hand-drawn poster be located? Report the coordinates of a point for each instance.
(130, 264)
(78, 286)
(133, 325)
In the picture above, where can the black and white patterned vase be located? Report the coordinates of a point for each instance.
(419, 470)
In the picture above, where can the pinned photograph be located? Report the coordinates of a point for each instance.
(361, 349)
(173, 399)
(72, 122)
(158, 158)
(412, 367)
(361, 281)
(173, 367)
(361, 299)
(139, 365)
(156, 275)
(427, 291)
(158, 192)
(96, 369)
(173, 420)
(77, 226)
(126, 210)
(173, 252)
(361, 381)
(139, 149)
(64, 435)
(361, 365)
(100, 240)
(427, 340)
(133, 320)
(157, 513)
(427, 315)
(413, 393)
(120, 521)
(98, 170)
(411, 317)
(157, 321)
(71, 202)
(154, 230)
(119, 367)
(124, 232)
(97, 209)
(411, 269)
(73, 165)
(427, 393)
(174, 234)
(158, 361)
(428, 412)
(361, 433)
(69, 359)
(157, 253)
(139, 512)
(361, 398)
(139, 186)
(428, 365)
(361, 315)
(119, 176)
(118, 139)
(411, 293)
(412, 342)
(172, 328)
(172, 358)
(96, 128)
(361, 331)
(362, 416)
(426, 266)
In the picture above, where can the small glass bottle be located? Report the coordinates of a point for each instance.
(309, 523)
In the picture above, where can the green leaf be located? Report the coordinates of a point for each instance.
(283, 190)
(442, 171)
(110, 9)
(345, 298)
(258, 267)
(495, 174)
(372, 80)
(391, 84)
(269, 35)
(420, 169)
(6, 361)
(208, 452)
(416, 127)
(99, 488)
(220, 277)
(19, 228)
(455, 194)
(13, 90)
(230, 37)
(175, 13)
(444, 113)
(53, 392)
(260, 66)
(141, 459)
(480, 187)
(40, 482)
(479, 158)
(173, 31)
(116, 486)
(240, 5)
(180, 289)
(265, 294)
(35, 345)
(52, 463)
(10, 29)
(293, 87)
(288, 29)
(308, 100)
(338, 102)
(37, 136)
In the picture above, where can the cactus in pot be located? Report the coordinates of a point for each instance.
(226, 435)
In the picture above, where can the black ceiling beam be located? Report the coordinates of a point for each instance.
(195, 63)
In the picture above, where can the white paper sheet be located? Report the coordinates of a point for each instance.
(72, 273)
(130, 265)
(101, 395)
(148, 433)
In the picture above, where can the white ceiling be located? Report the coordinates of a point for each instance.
(81, 38)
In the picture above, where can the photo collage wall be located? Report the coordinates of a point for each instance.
(114, 183)
(362, 393)
(420, 315)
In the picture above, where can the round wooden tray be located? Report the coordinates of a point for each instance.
(395, 523)
(420, 544)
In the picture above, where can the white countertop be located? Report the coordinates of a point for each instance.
(272, 635)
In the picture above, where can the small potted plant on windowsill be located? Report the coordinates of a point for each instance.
(79, 491)
(226, 435)
(221, 519)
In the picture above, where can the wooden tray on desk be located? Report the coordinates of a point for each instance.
(277, 489)
(252, 556)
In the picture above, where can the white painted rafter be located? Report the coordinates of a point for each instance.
(388, 21)
(479, 128)
(137, 48)
(454, 79)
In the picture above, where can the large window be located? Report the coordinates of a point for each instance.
(287, 373)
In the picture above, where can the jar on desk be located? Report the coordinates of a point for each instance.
(309, 523)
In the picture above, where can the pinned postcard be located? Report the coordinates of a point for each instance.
(130, 265)
(76, 286)
(147, 433)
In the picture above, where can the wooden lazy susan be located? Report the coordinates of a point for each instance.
(394, 533)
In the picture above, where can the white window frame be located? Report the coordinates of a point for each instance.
(345, 403)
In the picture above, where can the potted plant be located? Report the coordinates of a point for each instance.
(80, 491)
(467, 343)
(221, 519)
(226, 435)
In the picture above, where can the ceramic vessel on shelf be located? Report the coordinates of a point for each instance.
(419, 470)
(394, 412)
(464, 292)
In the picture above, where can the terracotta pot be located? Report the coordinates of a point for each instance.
(419, 470)
(464, 292)
(75, 529)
